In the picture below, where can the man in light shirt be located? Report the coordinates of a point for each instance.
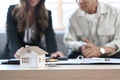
(94, 30)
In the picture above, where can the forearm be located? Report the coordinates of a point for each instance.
(115, 45)
(51, 44)
(109, 51)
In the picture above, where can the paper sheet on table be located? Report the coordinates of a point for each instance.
(87, 61)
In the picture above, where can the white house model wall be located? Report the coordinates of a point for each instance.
(32, 57)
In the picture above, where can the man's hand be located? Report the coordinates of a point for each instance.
(90, 50)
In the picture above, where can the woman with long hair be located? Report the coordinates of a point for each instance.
(29, 23)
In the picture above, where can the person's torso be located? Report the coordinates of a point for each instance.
(99, 31)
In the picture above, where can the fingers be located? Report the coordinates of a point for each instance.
(87, 51)
(17, 54)
(53, 55)
(89, 55)
(57, 54)
(88, 45)
(60, 54)
(86, 40)
(91, 52)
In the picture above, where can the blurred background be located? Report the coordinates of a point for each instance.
(61, 11)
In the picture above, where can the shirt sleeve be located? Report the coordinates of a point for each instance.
(12, 34)
(70, 38)
(115, 43)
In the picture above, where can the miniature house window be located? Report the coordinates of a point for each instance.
(25, 60)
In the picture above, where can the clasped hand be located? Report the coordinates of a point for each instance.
(89, 50)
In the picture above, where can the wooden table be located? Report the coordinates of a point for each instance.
(61, 72)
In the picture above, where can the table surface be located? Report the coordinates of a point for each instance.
(59, 67)
(58, 72)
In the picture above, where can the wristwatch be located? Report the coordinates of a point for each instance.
(102, 51)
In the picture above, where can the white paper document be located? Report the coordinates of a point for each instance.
(87, 61)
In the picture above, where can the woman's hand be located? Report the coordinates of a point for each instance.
(54, 55)
(57, 54)
(17, 54)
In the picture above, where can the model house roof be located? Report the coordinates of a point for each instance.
(36, 49)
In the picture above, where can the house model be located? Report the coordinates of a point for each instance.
(32, 56)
